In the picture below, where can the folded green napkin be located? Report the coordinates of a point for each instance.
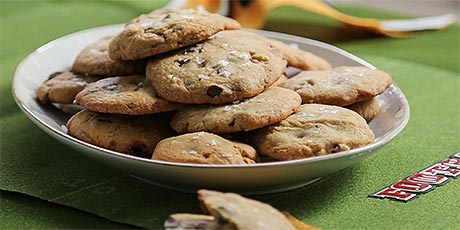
(425, 68)
(26, 212)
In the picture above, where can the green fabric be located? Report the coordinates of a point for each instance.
(426, 68)
(19, 210)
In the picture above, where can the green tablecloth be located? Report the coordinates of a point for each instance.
(426, 67)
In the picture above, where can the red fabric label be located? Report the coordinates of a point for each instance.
(395, 194)
(440, 169)
(423, 181)
(452, 162)
(411, 186)
(428, 179)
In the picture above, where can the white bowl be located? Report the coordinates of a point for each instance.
(248, 179)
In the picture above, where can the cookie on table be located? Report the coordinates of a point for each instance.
(269, 107)
(62, 87)
(94, 60)
(313, 130)
(367, 109)
(203, 148)
(133, 135)
(164, 30)
(238, 212)
(232, 65)
(341, 86)
(183, 221)
(300, 58)
(123, 95)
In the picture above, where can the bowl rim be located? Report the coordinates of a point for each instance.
(110, 153)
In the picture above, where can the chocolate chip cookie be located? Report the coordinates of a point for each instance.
(123, 95)
(282, 79)
(186, 221)
(342, 86)
(203, 148)
(62, 87)
(299, 58)
(242, 213)
(367, 109)
(94, 60)
(232, 65)
(313, 131)
(164, 30)
(267, 108)
(133, 135)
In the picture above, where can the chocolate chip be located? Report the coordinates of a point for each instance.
(339, 148)
(53, 75)
(244, 3)
(182, 62)
(194, 49)
(202, 65)
(167, 16)
(213, 91)
(139, 149)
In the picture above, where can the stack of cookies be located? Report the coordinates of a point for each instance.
(183, 85)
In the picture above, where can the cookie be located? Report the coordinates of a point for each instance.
(267, 108)
(298, 225)
(341, 86)
(62, 87)
(203, 148)
(282, 79)
(123, 95)
(164, 30)
(133, 135)
(313, 131)
(299, 58)
(233, 65)
(238, 212)
(367, 109)
(94, 60)
(183, 221)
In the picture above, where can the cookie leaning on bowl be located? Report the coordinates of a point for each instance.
(94, 60)
(62, 87)
(219, 70)
(164, 30)
(298, 58)
(367, 109)
(341, 86)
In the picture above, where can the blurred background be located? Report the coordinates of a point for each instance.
(409, 7)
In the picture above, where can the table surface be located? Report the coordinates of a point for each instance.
(47, 185)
